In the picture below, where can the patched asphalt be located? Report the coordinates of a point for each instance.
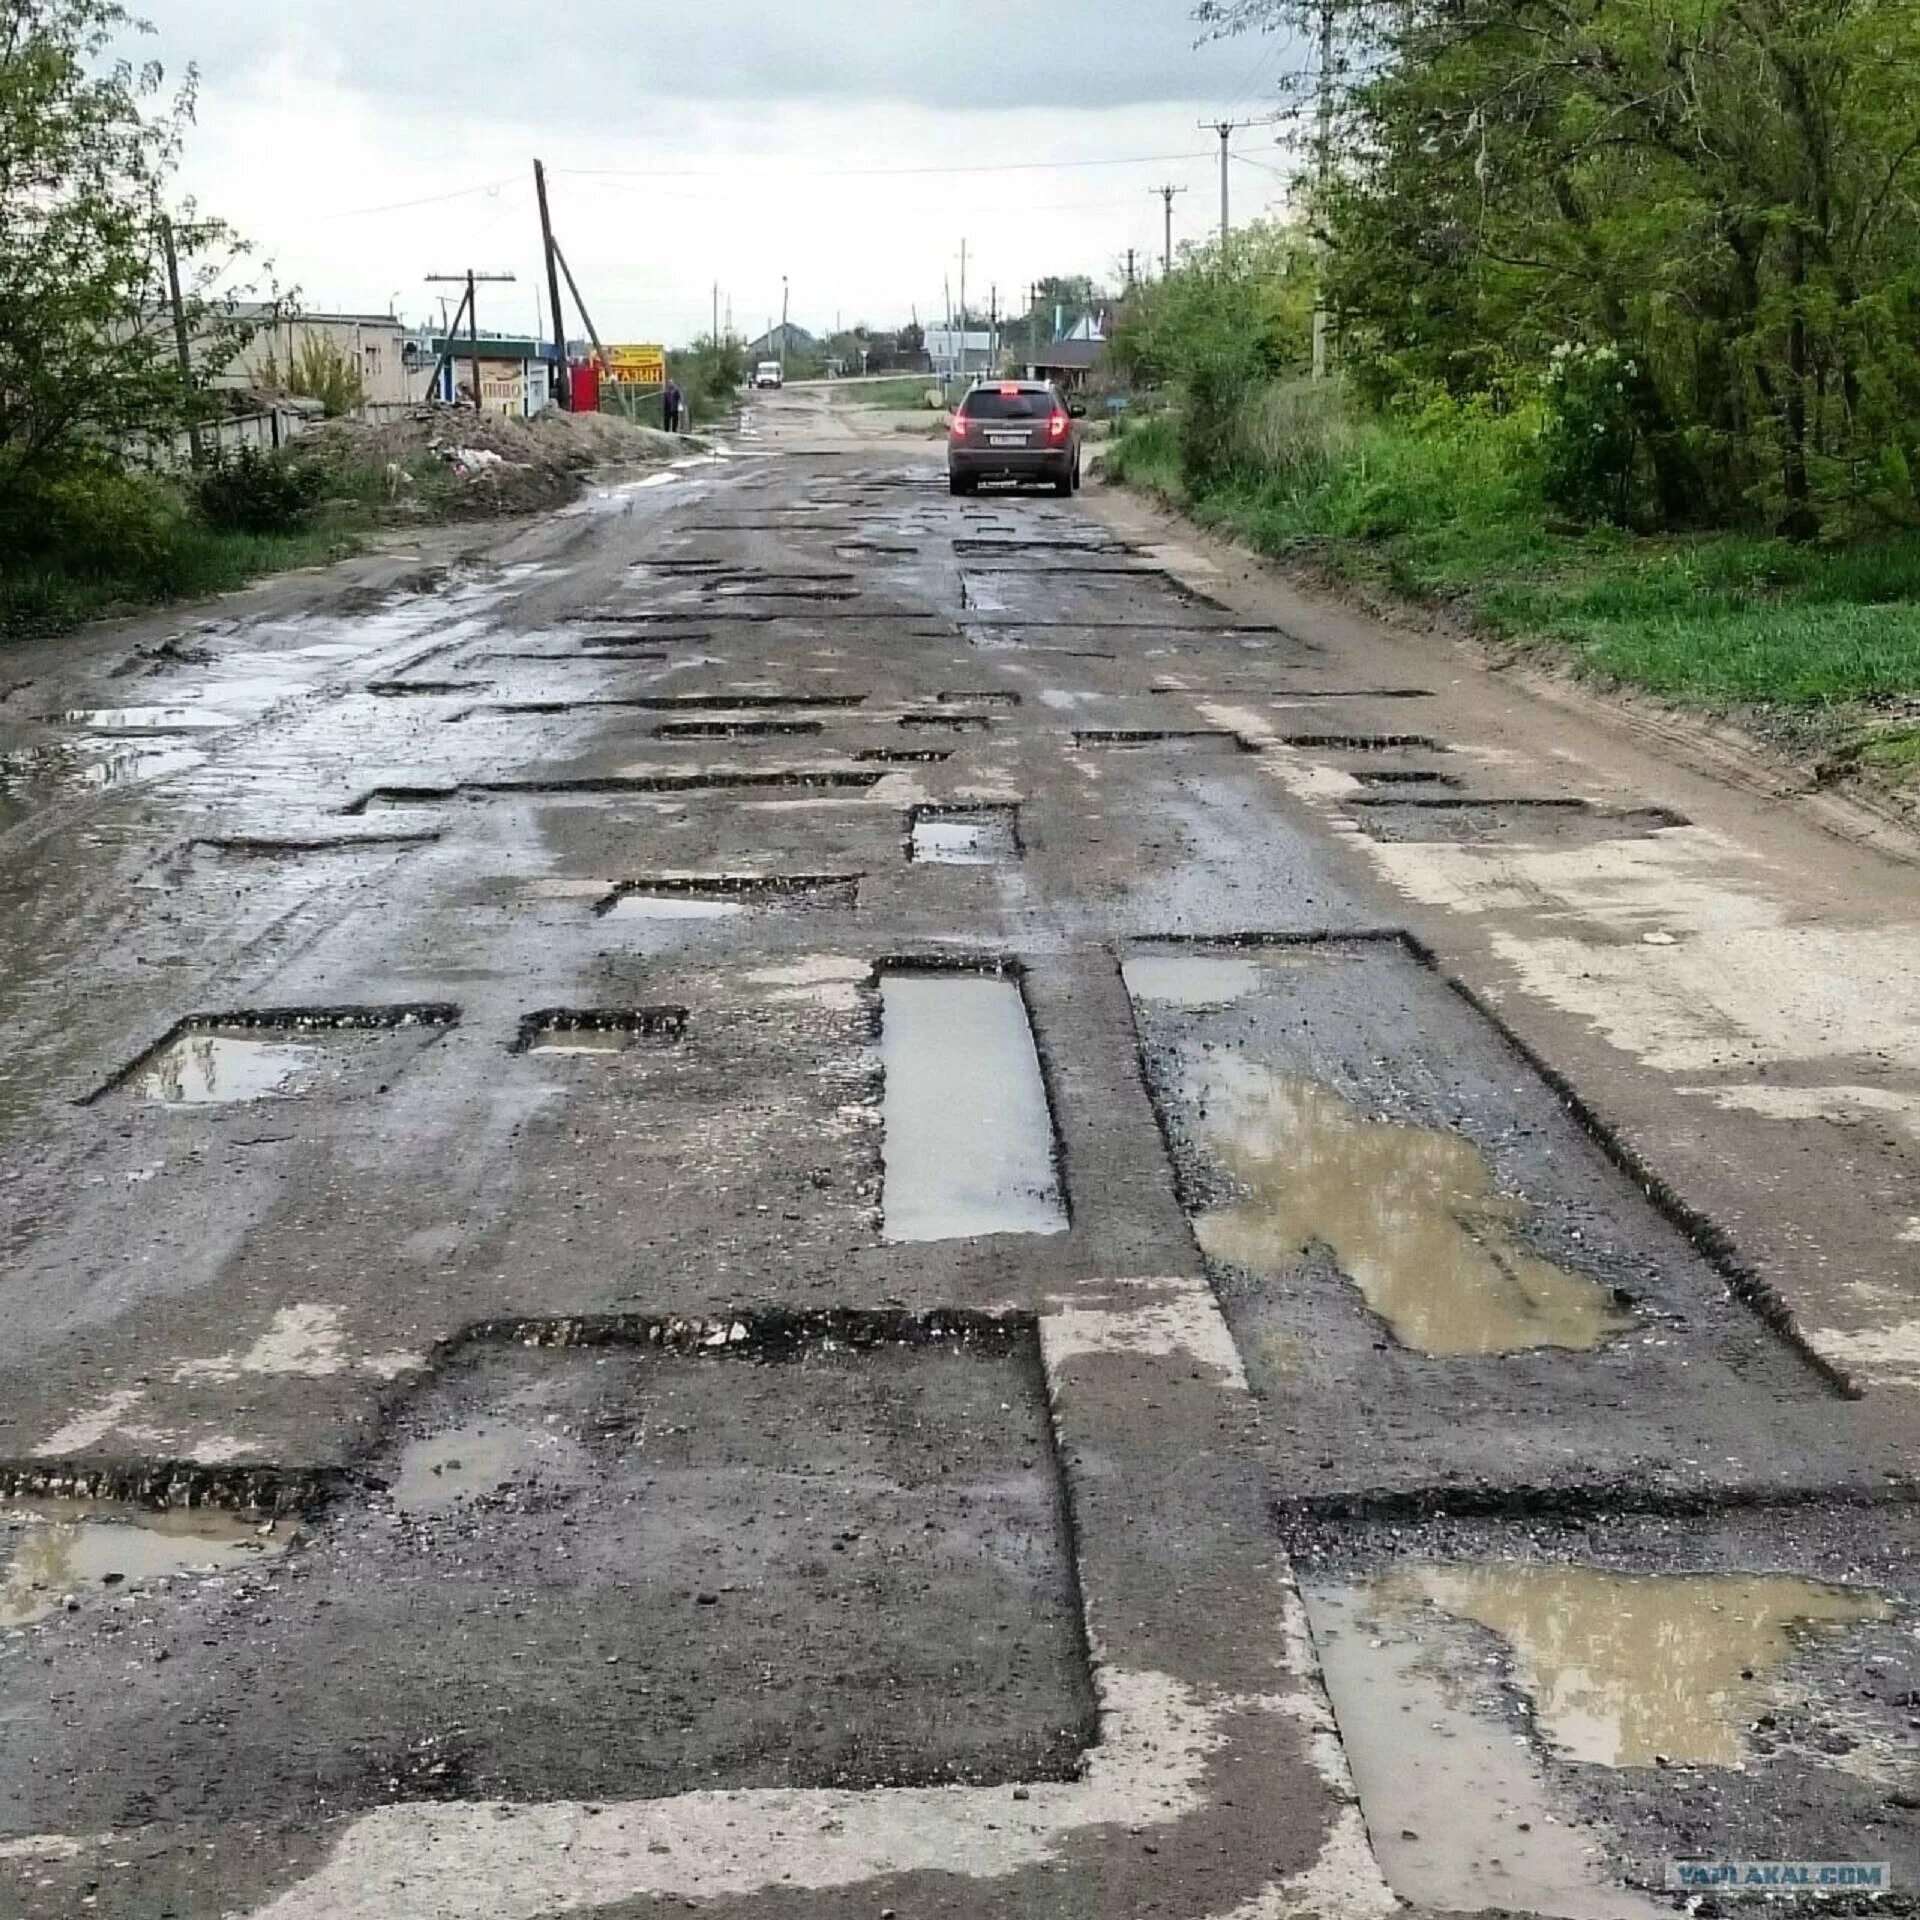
(447, 1116)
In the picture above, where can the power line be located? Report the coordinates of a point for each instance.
(427, 200)
(867, 173)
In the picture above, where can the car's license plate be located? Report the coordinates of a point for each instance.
(1006, 439)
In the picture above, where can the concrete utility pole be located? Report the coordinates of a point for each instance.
(183, 347)
(1033, 318)
(1325, 170)
(1166, 258)
(562, 372)
(716, 313)
(1226, 129)
(785, 292)
(471, 307)
(1130, 252)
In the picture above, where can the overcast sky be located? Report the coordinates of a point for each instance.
(849, 144)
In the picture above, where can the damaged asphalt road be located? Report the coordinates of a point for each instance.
(769, 1203)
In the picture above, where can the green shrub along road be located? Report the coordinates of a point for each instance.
(1445, 509)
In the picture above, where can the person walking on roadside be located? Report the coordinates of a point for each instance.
(672, 406)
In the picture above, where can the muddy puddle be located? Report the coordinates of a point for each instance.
(442, 1471)
(964, 837)
(199, 1069)
(137, 720)
(969, 1134)
(581, 1040)
(53, 1549)
(1639, 1670)
(1411, 1215)
(674, 906)
(1191, 981)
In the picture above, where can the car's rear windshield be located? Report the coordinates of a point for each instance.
(991, 404)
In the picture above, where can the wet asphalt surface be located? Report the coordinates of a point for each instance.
(452, 1119)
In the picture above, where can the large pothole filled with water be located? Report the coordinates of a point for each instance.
(1550, 1718)
(1441, 1276)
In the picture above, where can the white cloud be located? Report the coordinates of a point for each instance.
(843, 145)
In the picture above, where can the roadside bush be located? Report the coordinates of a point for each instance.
(1603, 418)
(254, 492)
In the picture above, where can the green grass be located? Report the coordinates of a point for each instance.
(48, 597)
(1450, 514)
(909, 391)
(100, 542)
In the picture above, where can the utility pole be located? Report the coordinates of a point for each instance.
(1325, 169)
(183, 347)
(716, 314)
(1130, 252)
(562, 372)
(471, 307)
(1166, 258)
(586, 319)
(993, 329)
(963, 306)
(785, 291)
(1033, 317)
(1224, 128)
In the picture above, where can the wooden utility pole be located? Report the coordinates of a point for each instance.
(562, 372)
(586, 319)
(183, 346)
(1166, 258)
(471, 307)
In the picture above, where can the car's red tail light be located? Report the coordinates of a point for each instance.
(959, 427)
(1010, 393)
(1057, 425)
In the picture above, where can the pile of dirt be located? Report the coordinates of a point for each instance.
(446, 462)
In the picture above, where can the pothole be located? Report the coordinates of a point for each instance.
(1545, 1716)
(1554, 822)
(1363, 742)
(964, 836)
(1405, 777)
(969, 1140)
(1190, 980)
(722, 896)
(1122, 737)
(610, 786)
(63, 1554)
(1427, 1247)
(766, 1552)
(221, 1059)
(1410, 1213)
(986, 697)
(572, 1030)
(939, 722)
(736, 729)
(207, 1067)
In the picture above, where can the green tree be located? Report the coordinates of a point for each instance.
(88, 145)
(1726, 193)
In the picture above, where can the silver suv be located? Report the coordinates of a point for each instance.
(1020, 430)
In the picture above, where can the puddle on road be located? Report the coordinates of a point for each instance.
(1629, 1670)
(964, 836)
(1190, 981)
(1411, 1214)
(600, 1040)
(1460, 1813)
(673, 906)
(210, 1069)
(151, 719)
(969, 1135)
(53, 1548)
(440, 1471)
